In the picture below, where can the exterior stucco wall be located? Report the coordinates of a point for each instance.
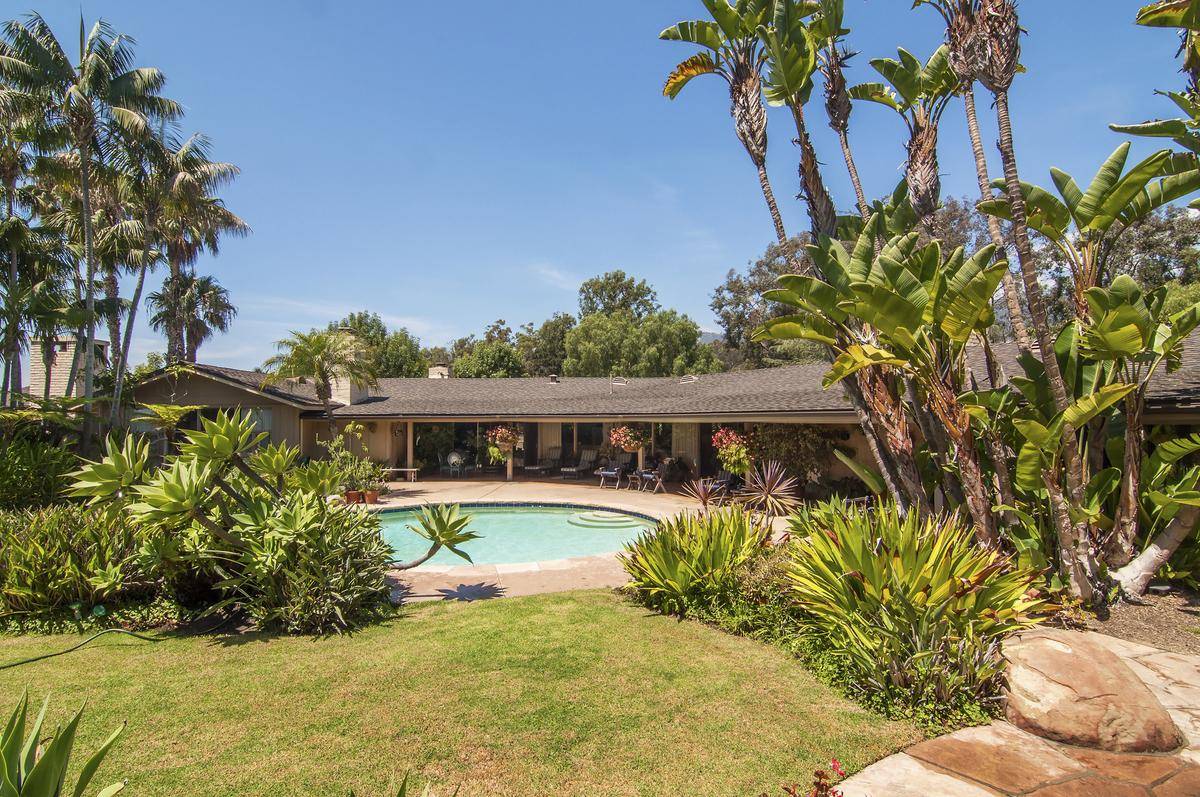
(204, 392)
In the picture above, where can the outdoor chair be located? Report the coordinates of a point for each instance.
(546, 463)
(587, 461)
(445, 468)
(615, 469)
(655, 479)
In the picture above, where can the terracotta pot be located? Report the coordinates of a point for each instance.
(372, 496)
(632, 450)
(353, 496)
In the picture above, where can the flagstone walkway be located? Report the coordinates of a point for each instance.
(1001, 759)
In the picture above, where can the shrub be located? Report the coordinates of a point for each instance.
(67, 555)
(33, 472)
(907, 613)
(217, 527)
(306, 565)
(686, 562)
(36, 764)
(805, 451)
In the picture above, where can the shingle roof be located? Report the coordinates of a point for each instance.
(288, 390)
(791, 390)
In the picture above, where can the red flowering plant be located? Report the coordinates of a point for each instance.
(628, 438)
(733, 451)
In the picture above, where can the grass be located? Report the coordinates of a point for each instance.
(570, 694)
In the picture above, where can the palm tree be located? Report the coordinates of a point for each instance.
(324, 356)
(792, 57)
(157, 172)
(197, 305)
(828, 32)
(919, 93)
(191, 223)
(968, 58)
(1000, 32)
(84, 102)
(732, 50)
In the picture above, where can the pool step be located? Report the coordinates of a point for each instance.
(603, 520)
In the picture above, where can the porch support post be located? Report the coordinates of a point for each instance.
(408, 445)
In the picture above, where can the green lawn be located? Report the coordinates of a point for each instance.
(571, 694)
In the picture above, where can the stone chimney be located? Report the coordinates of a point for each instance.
(347, 392)
(439, 371)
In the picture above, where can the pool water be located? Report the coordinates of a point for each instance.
(520, 534)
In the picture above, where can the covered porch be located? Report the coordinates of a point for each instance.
(428, 449)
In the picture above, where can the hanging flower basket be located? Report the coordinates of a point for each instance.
(628, 438)
(733, 452)
(505, 437)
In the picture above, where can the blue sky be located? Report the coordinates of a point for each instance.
(447, 169)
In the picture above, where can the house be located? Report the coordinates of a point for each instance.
(568, 413)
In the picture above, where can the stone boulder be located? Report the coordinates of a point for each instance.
(1067, 687)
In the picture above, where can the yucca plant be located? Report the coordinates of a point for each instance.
(770, 491)
(691, 558)
(911, 611)
(33, 765)
(705, 491)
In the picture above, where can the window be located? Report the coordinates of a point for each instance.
(262, 421)
(591, 435)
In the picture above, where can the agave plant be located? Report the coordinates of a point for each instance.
(445, 527)
(35, 766)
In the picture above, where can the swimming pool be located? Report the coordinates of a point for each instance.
(524, 533)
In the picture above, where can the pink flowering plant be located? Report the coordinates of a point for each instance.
(628, 438)
(502, 439)
(733, 450)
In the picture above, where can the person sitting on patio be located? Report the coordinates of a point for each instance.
(545, 463)
(585, 463)
(619, 466)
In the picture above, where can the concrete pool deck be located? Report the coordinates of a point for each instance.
(482, 582)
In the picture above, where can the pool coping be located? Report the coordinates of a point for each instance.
(505, 568)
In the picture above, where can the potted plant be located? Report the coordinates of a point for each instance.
(371, 491)
(628, 438)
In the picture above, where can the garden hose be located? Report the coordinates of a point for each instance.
(12, 664)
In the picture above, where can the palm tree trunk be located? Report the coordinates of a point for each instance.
(1033, 294)
(112, 295)
(769, 195)
(11, 350)
(1011, 296)
(1135, 576)
(821, 212)
(135, 302)
(1119, 550)
(89, 342)
(174, 324)
(47, 363)
(844, 138)
(1075, 555)
(1074, 558)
